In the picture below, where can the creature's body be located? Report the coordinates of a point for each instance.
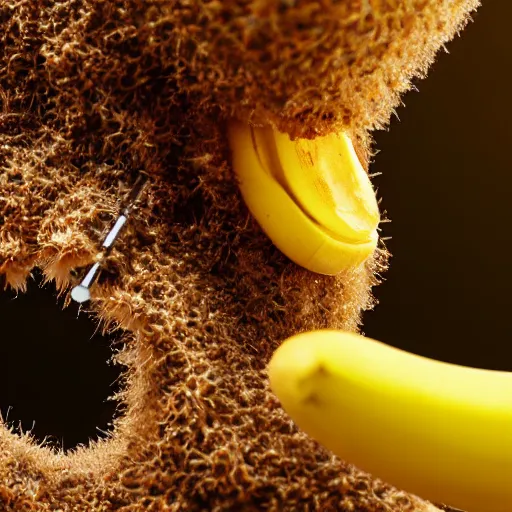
(92, 92)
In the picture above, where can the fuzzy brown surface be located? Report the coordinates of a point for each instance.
(91, 93)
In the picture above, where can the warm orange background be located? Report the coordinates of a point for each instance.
(447, 185)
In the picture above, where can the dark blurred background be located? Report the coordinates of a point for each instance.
(446, 186)
(56, 376)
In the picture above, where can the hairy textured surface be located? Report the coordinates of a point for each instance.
(91, 92)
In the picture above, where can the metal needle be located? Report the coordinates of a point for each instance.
(81, 292)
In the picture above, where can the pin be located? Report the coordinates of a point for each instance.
(81, 293)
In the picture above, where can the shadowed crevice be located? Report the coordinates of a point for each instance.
(56, 374)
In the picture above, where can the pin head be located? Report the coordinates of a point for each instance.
(80, 294)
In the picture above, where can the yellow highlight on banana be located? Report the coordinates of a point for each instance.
(441, 431)
(312, 197)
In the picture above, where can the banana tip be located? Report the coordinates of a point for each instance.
(293, 363)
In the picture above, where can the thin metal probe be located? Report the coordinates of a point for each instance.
(81, 293)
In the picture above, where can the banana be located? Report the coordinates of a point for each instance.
(329, 182)
(312, 198)
(441, 431)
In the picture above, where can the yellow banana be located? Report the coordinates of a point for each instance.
(438, 430)
(312, 198)
(330, 184)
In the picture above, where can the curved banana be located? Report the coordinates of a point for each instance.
(435, 429)
(312, 197)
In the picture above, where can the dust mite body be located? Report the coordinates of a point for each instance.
(81, 293)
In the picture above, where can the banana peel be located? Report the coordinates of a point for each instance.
(312, 198)
(438, 430)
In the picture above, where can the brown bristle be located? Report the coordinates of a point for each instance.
(92, 92)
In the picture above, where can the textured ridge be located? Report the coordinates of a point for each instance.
(91, 92)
